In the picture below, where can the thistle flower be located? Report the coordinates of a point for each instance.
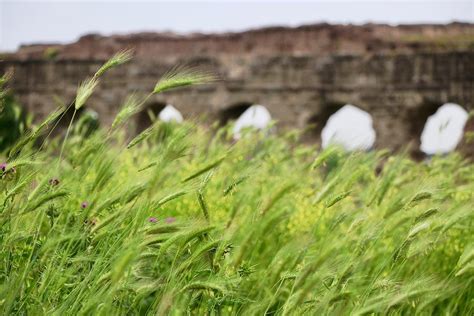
(4, 168)
(170, 220)
(118, 59)
(84, 204)
(182, 77)
(54, 181)
(152, 219)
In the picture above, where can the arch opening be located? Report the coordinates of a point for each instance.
(233, 112)
(417, 117)
(63, 122)
(351, 128)
(416, 120)
(148, 115)
(170, 114)
(443, 130)
(256, 117)
(317, 121)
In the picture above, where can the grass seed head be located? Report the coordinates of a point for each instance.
(84, 91)
(118, 59)
(182, 77)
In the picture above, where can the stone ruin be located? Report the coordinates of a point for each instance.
(399, 74)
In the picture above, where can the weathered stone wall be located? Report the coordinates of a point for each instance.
(399, 87)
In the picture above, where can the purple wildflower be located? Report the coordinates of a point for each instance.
(84, 204)
(170, 220)
(152, 219)
(3, 166)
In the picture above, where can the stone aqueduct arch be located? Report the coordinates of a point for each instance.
(399, 90)
(142, 118)
(233, 111)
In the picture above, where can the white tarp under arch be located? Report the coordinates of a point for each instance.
(170, 114)
(256, 116)
(444, 130)
(350, 128)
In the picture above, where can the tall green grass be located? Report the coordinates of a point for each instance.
(181, 220)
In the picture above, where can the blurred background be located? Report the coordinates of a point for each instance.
(363, 74)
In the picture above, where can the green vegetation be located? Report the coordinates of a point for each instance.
(50, 53)
(181, 220)
(458, 41)
(13, 120)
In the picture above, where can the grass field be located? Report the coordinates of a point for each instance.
(183, 220)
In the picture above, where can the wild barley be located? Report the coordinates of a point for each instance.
(84, 91)
(118, 59)
(182, 77)
(129, 108)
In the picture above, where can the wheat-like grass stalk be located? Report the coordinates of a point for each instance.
(84, 91)
(183, 76)
(131, 106)
(118, 59)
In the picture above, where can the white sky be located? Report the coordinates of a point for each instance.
(64, 21)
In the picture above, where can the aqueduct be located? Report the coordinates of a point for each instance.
(302, 75)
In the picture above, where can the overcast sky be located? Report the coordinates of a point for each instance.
(64, 21)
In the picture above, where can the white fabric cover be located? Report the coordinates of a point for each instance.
(170, 113)
(350, 128)
(256, 116)
(444, 130)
